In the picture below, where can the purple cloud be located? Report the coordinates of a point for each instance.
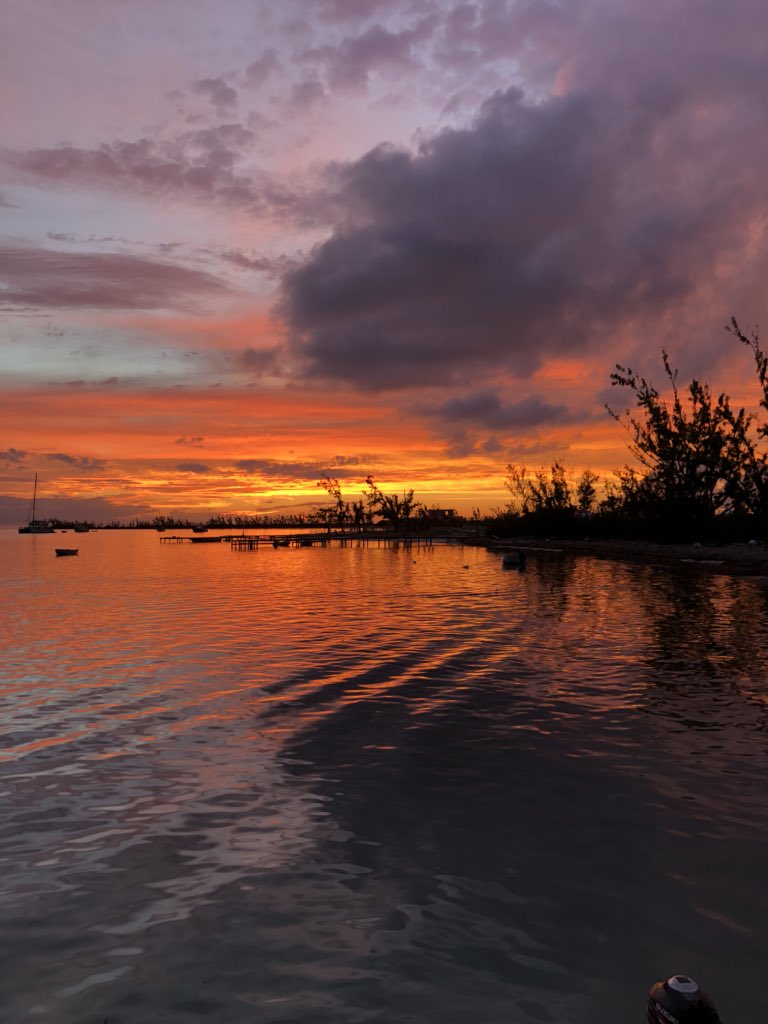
(306, 95)
(194, 467)
(47, 278)
(351, 10)
(200, 164)
(351, 61)
(259, 70)
(555, 219)
(261, 264)
(485, 410)
(221, 95)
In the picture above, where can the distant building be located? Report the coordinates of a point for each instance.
(443, 516)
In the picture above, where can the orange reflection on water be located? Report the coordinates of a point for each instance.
(11, 753)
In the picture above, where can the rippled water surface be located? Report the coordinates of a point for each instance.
(371, 784)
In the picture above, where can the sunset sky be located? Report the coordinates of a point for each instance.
(245, 244)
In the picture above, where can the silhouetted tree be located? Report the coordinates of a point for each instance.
(536, 492)
(339, 511)
(395, 510)
(694, 453)
(586, 491)
(753, 478)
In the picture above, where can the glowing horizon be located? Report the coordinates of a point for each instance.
(245, 248)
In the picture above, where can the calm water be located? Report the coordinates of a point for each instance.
(362, 784)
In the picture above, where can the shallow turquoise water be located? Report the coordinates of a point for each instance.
(310, 785)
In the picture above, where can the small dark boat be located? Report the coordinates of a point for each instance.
(199, 529)
(66, 551)
(514, 561)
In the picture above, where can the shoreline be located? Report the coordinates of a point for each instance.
(744, 560)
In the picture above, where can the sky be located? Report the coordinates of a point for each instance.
(245, 245)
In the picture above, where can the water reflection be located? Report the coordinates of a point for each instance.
(707, 658)
(552, 576)
(711, 623)
(345, 783)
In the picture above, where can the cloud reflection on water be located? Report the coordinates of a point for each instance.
(320, 782)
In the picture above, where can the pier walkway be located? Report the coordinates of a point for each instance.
(308, 540)
(252, 542)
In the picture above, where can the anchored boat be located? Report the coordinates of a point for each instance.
(36, 525)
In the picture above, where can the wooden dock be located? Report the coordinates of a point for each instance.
(254, 541)
(307, 540)
(176, 539)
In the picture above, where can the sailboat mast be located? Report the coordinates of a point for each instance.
(34, 498)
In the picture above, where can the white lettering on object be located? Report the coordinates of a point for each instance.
(665, 1013)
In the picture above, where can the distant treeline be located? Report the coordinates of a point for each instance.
(266, 522)
(234, 522)
(703, 476)
(704, 472)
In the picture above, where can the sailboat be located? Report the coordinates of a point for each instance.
(36, 525)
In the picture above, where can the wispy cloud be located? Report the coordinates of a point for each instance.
(78, 461)
(33, 276)
(221, 95)
(13, 455)
(275, 469)
(199, 164)
(352, 60)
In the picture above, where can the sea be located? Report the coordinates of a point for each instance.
(373, 783)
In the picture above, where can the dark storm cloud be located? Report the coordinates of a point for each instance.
(485, 410)
(551, 221)
(482, 423)
(48, 279)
